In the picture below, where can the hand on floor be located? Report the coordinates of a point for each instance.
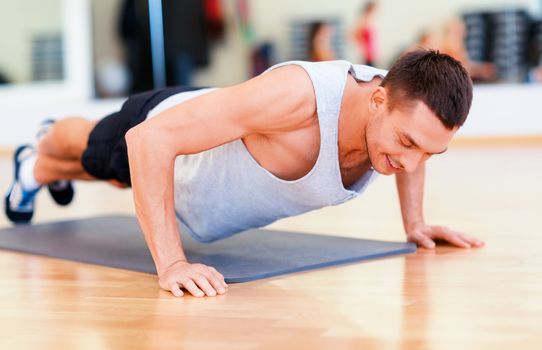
(424, 235)
(198, 279)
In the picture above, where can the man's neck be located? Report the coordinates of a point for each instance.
(355, 116)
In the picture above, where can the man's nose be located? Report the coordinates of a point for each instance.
(411, 161)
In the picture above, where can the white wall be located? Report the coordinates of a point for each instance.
(504, 110)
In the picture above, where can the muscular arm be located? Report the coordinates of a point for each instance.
(410, 187)
(279, 100)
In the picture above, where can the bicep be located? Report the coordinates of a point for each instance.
(276, 101)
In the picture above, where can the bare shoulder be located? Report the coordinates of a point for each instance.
(285, 97)
(278, 101)
(294, 77)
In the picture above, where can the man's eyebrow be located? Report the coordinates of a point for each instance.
(409, 138)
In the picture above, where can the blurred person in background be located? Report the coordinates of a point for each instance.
(428, 39)
(365, 35)
(320, 42)
(453, 44)
(535, 71)
(190, 28)
(535, 74)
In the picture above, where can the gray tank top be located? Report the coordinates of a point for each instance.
(224, 190)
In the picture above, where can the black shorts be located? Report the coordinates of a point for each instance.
(106, 155)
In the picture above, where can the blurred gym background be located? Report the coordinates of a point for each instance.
(62, 57)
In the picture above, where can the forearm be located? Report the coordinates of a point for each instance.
(151, 168)
(410, 187)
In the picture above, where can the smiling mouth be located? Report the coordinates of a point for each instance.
(391, 164)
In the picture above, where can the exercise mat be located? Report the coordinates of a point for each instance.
(117, 241)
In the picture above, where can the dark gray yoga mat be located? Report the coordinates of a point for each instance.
(117, 241)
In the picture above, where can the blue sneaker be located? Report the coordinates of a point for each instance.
(61, 191)
(19, 204)
(43, 128)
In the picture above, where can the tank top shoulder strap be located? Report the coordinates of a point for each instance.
(328, 79)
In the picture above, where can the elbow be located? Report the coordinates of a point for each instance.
(137, 136)
(133, 135)
(148, 140)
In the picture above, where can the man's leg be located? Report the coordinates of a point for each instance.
(56, 161)
(49, 169)
(60, 150)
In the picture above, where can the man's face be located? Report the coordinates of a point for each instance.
(405, 137)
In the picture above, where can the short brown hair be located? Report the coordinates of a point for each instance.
(436, 79)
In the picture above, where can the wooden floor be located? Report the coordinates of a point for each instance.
(445, 299)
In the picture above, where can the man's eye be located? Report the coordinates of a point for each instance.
(407, 145)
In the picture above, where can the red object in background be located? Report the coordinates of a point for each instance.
(366, 38)
(214, 19)
(213, 10)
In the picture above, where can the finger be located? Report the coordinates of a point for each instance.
(216, 279)
(217, 282)
(176, 290)
(219, 276)
(423, 241)
(204, 285)
(453, 238)
(211, 273)
(190, 286)
(472, 241)
(427, 242)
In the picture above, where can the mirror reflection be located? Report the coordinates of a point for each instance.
(31, 42)
(214, 42)
(222, 42)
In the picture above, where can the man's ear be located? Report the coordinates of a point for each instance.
(378, 99)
